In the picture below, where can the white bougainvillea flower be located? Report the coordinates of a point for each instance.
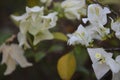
(98, 32)
(11, 56)
(26, 20)
(73, 9)
(80, 36)
(46, 2)
(103, 62)
(97, 14)
(116, 27)
(34, 22)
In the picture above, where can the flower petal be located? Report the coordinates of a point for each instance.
(11, 65)
(117, 34)
(19, 18)
(92, 52)
(16, 53)
(5, 54)
(22, 40)
(100, 69)
(118, 59)
(43, 35)
(50, 19)
(114, 66)
(34, 9)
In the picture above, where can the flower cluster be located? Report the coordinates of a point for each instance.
(13, 55)
(96, 30)
(97, 16)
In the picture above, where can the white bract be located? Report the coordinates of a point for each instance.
(11, 56)
(35, 22)
(98, 32)
(97, 16)
(116, 27)
(103, 62)
(22, 40)
(80, 36)
(116, 76)
(73, 9)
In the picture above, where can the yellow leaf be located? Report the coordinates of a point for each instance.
(60, 36)
(66, 66)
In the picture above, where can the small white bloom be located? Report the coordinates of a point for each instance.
(35, 22)
(80, 36)
(12, 55)
(73, 9)
(97, 14)
(103, 62)
(98, 18)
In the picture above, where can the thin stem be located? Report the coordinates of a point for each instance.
(112, 49)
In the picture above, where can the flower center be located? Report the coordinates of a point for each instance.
(100, 58)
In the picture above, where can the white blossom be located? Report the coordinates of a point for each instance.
(103, 62)
(11, 56)
(97, 14)
(80, 36)
(35, 22)
(73, 9)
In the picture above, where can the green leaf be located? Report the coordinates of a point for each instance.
(80, 54)
(4, 37)
(38, 56)
(55, 48)
(60, 36)
(29, 53)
